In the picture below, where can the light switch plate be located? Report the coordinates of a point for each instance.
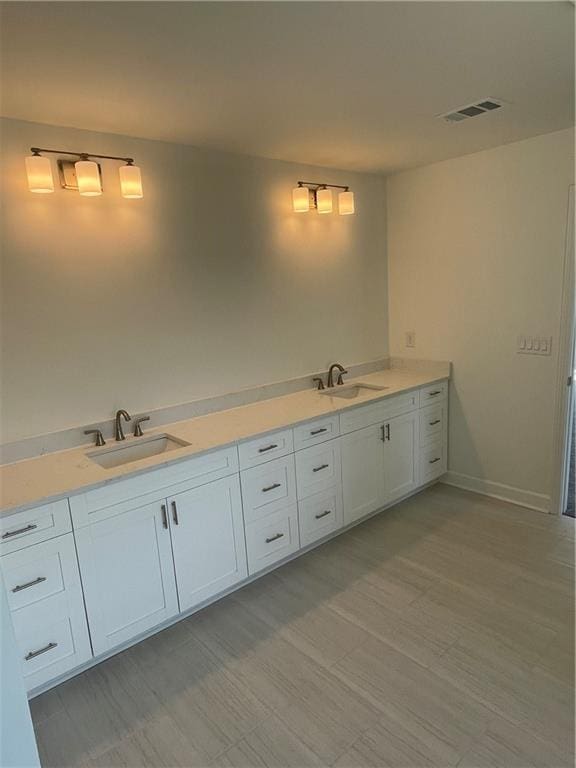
(534, 345)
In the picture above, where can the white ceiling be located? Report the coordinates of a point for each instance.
(347, 84)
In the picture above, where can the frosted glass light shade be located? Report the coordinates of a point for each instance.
(130, 181)
(324, 200)
(301, 199)
(39, 172)
(346, 202)
(88, 178)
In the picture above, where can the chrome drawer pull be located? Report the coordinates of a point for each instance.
(322, 466)
(20, 587)
(27, 528)
(268, 448)
(323, 514)
(433, 461)
(271, 487)
(436, 392)
(318, 431)
(175, 513)
(432, 423)
(164, 516)
(273, 538)
(33, 654)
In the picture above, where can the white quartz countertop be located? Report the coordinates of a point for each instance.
(56, 475)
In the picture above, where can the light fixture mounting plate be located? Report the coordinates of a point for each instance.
(67, 173)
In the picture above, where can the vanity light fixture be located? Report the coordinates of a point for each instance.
(83, 174)
(312, 195)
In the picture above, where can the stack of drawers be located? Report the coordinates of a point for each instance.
(433, 431)
(40, 571)
(291, 490)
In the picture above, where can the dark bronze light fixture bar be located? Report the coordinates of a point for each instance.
(317, 196)
(83, 174)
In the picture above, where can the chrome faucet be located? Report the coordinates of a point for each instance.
(335, 366)
(119, 432)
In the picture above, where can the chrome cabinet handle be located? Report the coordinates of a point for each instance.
(175, 513)
(318, 431)
(164, 516)
(388, 432)
(33, 654)
(433, 461)
(271, 487)
(33, 583)
(320, 515)
(436, 392)
(432, 423)
(273, 538)
(26, 528)
(383, 428)
(322, 466)
(268, 448)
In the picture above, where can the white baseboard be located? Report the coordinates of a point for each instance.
(537, 501)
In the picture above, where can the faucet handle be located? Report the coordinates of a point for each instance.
(340, 379)
(137, 427)
(99, 439)
(320, 382)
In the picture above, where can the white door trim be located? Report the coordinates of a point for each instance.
(565, 362)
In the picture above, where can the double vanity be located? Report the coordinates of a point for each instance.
(102, 546)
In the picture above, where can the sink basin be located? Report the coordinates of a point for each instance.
(134, 450)
(350, 391)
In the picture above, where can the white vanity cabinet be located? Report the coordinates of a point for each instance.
(40, 571)
(207, 540)
(392, 447)
(128, 575)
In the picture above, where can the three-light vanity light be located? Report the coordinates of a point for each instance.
(311, 195)
(83, 175)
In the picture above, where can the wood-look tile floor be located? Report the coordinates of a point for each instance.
(439, 633)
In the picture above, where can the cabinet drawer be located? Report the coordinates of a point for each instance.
(272, 539)
(318, 468)
(366, 415)
(432, 423)
(123, 495)
(39, 572)
(268, 488)
(34, 525)
(433, 393)
(51, 639)
(315, 432)
(320, 515)
(265, 448)
(432, 461)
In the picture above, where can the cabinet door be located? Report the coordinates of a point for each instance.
(207, 540)
(363, 472)
(400, 456)
(128, 574)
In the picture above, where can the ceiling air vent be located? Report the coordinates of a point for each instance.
(472, 110)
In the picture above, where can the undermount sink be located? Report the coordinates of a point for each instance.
(349, 391)
(134, 450)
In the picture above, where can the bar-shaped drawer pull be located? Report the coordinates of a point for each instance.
(164, 516)
(320, 515)
(175, 513)
(20, 587)
(436, 392)
(276, 536)
(271, 487)
(320, 468)
(433, 461)
(26, 528)
(268, 448)
(40, 651)
(318, 431)
(433, 423)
